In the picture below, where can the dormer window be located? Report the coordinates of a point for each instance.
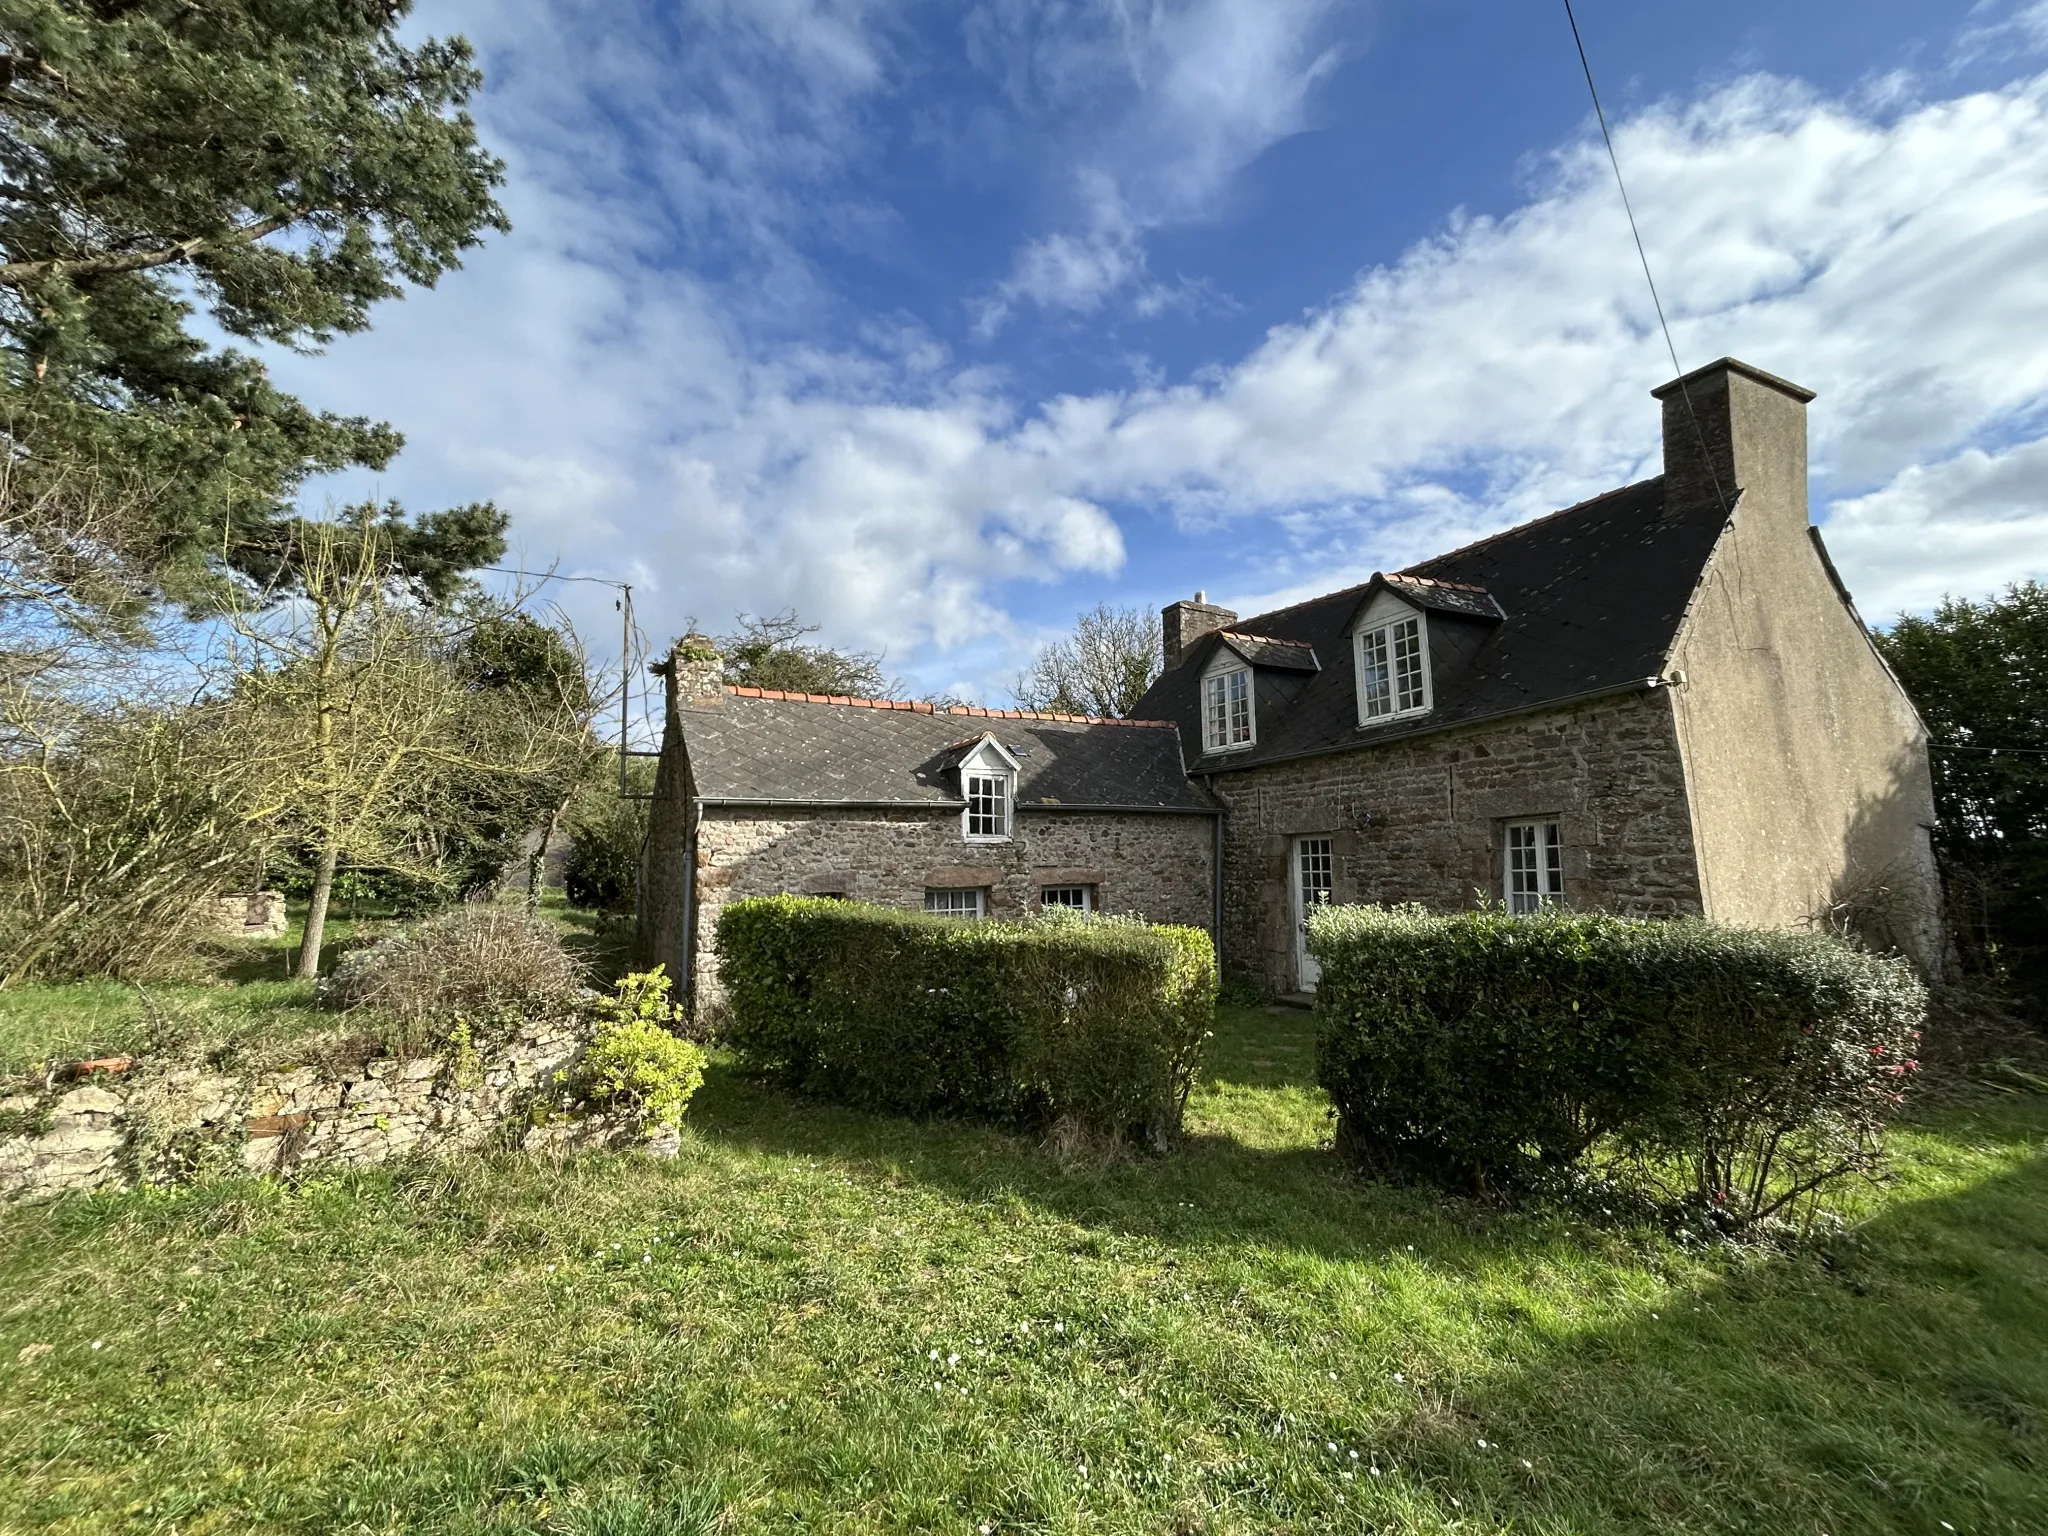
(1227, 724)
(1393, 670)
(988, 805)
(988, 787)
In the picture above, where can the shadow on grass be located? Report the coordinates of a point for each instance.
(1891, 1379)
(602, 942)
(1883, 1384)
(1213, 1189)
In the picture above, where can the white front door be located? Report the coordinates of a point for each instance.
(1314, 871)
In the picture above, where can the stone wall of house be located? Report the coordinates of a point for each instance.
(162, 1122)
(1423, 820)
(1157, 866)
(248, 914)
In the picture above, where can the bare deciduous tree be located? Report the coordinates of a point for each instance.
(358, 722)
(1102, 668)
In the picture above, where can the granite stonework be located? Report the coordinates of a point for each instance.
(159, 1123)
(1422, 821)
(248, 915)
(1159, 867)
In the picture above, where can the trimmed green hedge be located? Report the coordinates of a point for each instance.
(1738, 1069)
(1100, 1021)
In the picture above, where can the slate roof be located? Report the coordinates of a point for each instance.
(1445, 596)
(801, 749)
(1264, 651)
(1591, 599)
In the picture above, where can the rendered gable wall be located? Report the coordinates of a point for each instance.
(1806, 765)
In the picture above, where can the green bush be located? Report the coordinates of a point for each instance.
(1743, 1071)
(606, 831)
(635, 1061)
(1095, 1021)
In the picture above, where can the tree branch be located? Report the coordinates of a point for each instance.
(14, 274)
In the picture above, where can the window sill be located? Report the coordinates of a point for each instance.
(1377, 721)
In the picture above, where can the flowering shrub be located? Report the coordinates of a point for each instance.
(1096, 1021)
(1737, 1070)
(636, 1062)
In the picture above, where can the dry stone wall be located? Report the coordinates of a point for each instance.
(1159, 867)
(161, 1123)
(1423, 820)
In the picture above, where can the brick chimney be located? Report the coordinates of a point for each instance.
(1182, 624)
(697, 674)
(1729, 427)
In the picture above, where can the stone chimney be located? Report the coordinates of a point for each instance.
(697, 674)
(1182, 624)
(1729, 427)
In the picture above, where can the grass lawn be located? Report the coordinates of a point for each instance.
(236, 993)
(822, 1321)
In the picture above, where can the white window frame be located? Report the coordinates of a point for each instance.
(1230, 713)
(945, 901)
(1385, 638)
(1085, 892)
(988, 764)
(1532, 865)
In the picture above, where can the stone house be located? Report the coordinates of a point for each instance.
(1659, 701)
(963, 811)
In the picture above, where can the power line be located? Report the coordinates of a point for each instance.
(1677, 368)
(499, 570)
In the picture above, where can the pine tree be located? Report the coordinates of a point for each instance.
(282, 165)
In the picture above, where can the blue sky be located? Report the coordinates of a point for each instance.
(941, 322)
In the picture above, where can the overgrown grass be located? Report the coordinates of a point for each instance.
(819, 1320)
(238, 991)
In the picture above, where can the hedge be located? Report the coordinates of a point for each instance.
(1739, 1070)
(1097, 1021)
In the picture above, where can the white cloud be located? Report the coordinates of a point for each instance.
(1501, 369)
(623, 406)
(1967, 525)
(1201, 89)
(1999, 30)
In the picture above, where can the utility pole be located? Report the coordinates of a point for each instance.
(625, 677)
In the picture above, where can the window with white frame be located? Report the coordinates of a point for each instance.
(1393, 669)
(1070, 898)
(988, 805)
(951, 902)
(988, 783)
(1533, 870)
(1227, 710)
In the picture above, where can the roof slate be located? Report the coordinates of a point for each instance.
(793, 749)
(1264, 651)
(1592, 598)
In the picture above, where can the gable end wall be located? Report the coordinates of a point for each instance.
(1421, 820)
(1806, 764)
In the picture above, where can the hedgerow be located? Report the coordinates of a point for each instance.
(1737, 1070)
(1096, 1021)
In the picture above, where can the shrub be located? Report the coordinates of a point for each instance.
(1096, 1021)
(1737, 1069)
(471, 962)
(635, 1061)
(606, 831)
